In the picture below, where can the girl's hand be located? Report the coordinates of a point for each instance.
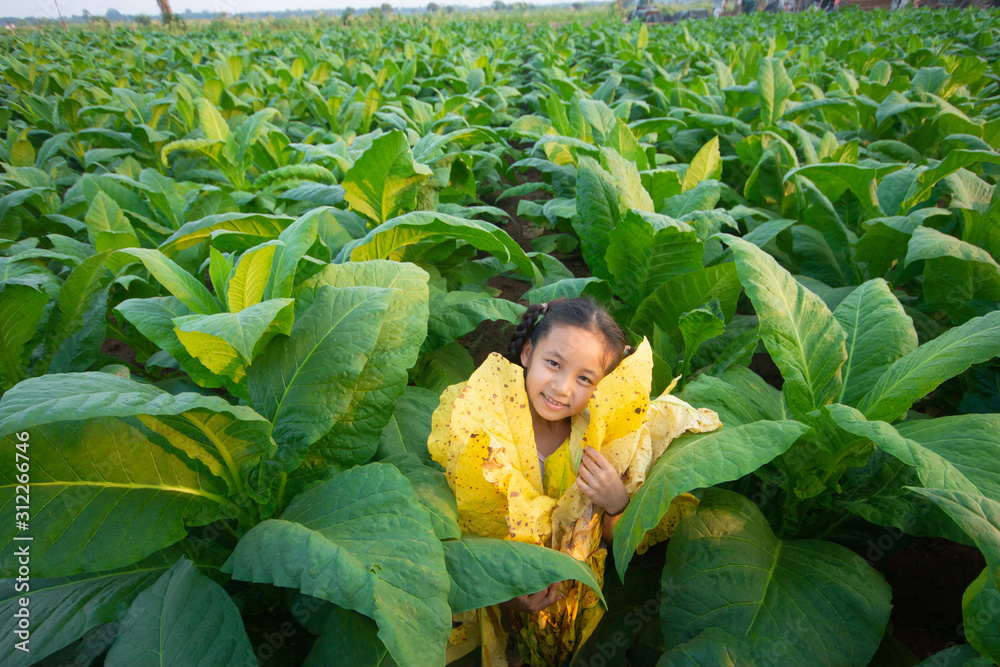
(599, 480)
(535, 602)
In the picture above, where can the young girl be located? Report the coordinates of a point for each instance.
(549, 452)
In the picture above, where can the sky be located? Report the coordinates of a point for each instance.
(47, 8)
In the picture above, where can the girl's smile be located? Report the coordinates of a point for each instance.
(562, 372)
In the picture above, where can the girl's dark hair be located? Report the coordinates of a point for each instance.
(583, 313)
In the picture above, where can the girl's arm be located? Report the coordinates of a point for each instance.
(608, 524)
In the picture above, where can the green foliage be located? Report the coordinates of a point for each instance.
(240, 261)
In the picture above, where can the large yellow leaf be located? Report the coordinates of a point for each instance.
(482, 434)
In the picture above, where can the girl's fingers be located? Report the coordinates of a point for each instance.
(596, 457)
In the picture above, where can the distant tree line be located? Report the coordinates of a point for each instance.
(114, 16)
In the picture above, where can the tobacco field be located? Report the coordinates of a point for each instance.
(238, 266)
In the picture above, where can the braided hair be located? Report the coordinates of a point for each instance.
(583, 313)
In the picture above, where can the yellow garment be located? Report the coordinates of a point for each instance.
(482, 435)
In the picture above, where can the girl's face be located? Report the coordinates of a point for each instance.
(562, 372)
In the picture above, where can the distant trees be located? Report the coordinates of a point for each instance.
(165, 12)
(433, 7)
(386, 8)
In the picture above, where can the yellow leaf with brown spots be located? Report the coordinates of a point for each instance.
(482, 508)
(482, 434)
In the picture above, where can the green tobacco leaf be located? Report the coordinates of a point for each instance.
(919, 372)
(643, 254)
(164, 194)
(219, 268)
(733, 349)
(185, 287)
(388, 240)
(113, 494)
(925, 178)
(726, 569)
(66, 608)
(383, 182)
(21, 309)
(801, 334)
(297, 238)
(961, 452)
(253, 225)
(443, 367)
(878, 332)
(347, 639)
(627, 181)
(362, 541)
(694, 461)
(304, 384)
(774, 87)
(212, 123)
(109, 230)
(226, 343)
(187, 145)
(894, 104)
(22, 154)
(686, 292)
(816, 211)
(184, 617)
(979, 614)
(834, 179)
(431, 487)
(231, 445)
(927, 243)
(624, 142)
(104, 215)
(410, 424)
(599, 210)
(978, 516)
(571, 288)
(875, 492)
(815, 258)
(660, 184)
(228, 439)
(962, 655)
(712, 646)
(454, 314)
(698, 326)
(154, 318)
(957, 275)
(246, 282)
(81, 396)
(403, 328)
(702, 197)
(486, 571)
(706, 165)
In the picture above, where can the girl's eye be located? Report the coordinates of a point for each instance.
(553, 362)
(585, 379)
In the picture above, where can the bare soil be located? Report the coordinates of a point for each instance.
(928, 578)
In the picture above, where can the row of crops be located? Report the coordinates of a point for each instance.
(236, 270)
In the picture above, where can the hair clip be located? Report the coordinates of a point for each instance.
(545, 307)
(629, 350)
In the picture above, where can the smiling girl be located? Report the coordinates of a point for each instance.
(547, 447)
